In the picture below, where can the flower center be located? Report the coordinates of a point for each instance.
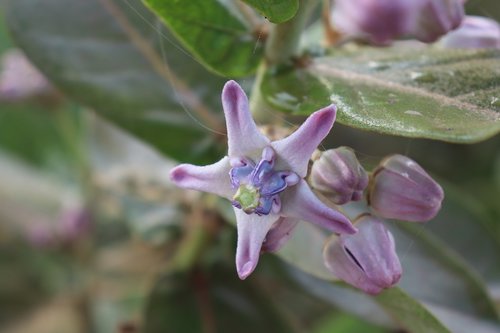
(259, 185)
(248, 198)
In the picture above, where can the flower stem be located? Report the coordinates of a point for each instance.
(282, 45)
(283, 41)
(201, 227)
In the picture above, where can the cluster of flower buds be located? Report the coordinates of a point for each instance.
(382, 21)
(398, 189)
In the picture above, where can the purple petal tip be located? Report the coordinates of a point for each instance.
(177, 174)
(246, 270)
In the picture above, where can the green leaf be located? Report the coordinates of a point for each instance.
(391, 308)
(342, 323)
(299, 252)
(214, 302)
(409, 312)
(276, 11)
(210, 31)
(106, 54)
(472, 238)
(448, 95)
(452, 283)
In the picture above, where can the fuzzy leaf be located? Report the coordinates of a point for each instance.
(106, 54)
(213, 33)
(276, 11)
(448, 95)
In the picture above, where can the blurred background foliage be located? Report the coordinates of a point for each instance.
(118, 276)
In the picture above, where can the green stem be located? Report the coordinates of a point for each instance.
(284, 39)
(281, 46)
(201, 225)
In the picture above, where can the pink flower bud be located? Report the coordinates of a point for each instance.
(401, 189)
(339, 175)
(475, 32)
(382, 21)
(434, 18)
(367, 260)
(378, 21)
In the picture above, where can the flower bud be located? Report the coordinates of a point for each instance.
(401, 189)
(475, 32)
(382, 21)
(367, 260)
(434, 18)
(378, 21)
(339, 175)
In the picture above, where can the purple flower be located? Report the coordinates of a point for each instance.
(379, 21)
(475, 32)
(73, 224)
(435, 18)
(367, 259)
(382, 21)
(401, 189)
(339, 175)
(264, 179)
(20, 80)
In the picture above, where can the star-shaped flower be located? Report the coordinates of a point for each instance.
(264, 180)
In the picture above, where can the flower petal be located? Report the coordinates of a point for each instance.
(300, 202)
(295, 150)
(366, 260)
(341, 265)
(374, 248)
(213, 178)
(243, 136)
(279, 234)
(252, 230)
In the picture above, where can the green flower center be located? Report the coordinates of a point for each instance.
(248, 197)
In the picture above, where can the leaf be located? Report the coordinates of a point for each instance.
(471, 238)
(215, 302)
(342, 323)
(276, 11)
(209, 30)
(409, 312)
(422, 93)
(406, 312)
(435, 274)
(106, 54)
(299, 252)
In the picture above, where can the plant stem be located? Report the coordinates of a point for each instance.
(282, 45)
(284, 39)
(201, 226)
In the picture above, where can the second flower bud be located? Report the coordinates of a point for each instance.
(338, 175)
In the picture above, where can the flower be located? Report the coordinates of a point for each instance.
(475, 32)
(339, 175)
(382, 21)
(401, 189)
(264, 180)
(367, 259)
(379, 21)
